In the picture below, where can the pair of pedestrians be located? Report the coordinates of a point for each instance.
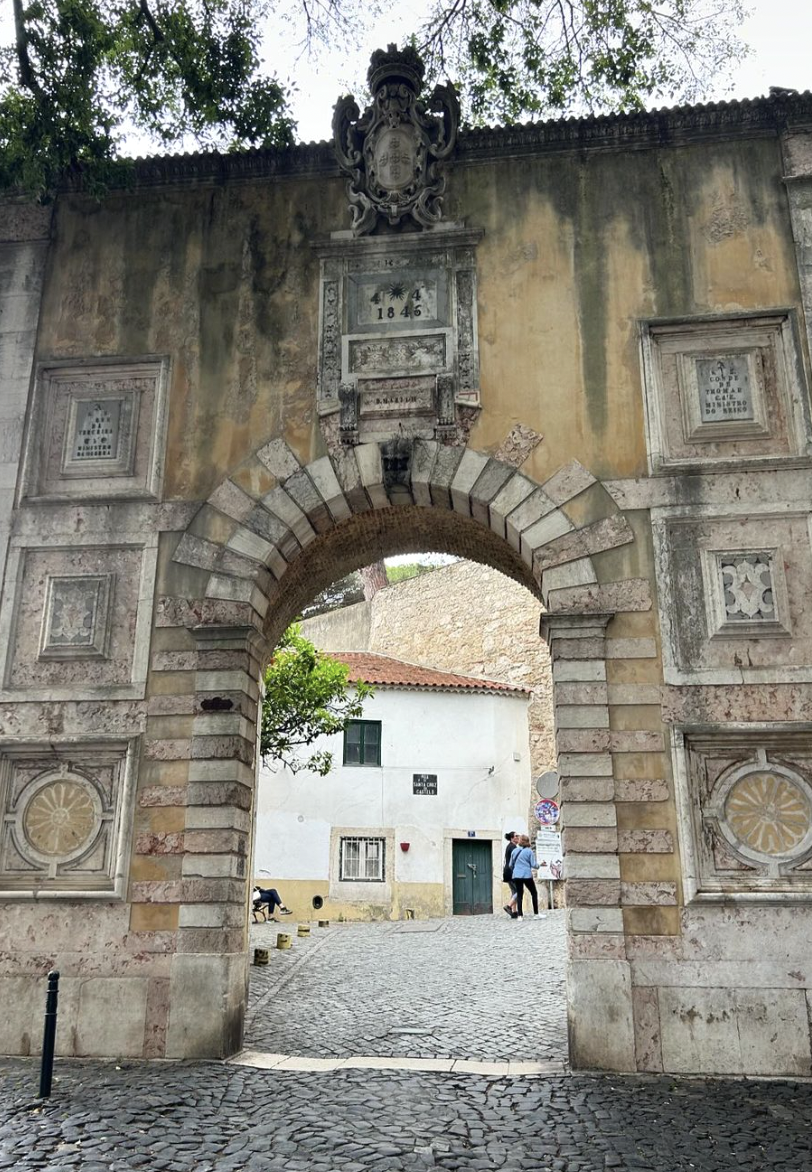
(520, 862)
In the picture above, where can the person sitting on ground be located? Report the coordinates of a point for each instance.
(268, 898)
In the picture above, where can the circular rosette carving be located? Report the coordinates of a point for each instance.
(768, 812)
(61, 817)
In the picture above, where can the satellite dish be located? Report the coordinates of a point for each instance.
(547, 784)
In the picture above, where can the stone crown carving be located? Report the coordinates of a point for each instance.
(394, 152)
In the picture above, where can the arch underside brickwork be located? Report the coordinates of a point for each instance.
(265, 541)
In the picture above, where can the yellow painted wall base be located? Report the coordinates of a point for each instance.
(425, 900)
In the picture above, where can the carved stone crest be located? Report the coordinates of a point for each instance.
(394, 152)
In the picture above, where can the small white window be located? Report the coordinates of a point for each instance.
(362, 860)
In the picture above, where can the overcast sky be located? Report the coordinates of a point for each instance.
(779, 33)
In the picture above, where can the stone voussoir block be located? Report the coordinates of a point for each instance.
(230, 499)
(608, 533)
(517, 488)
(569, 481)
(323, 475)
(468, 472)
(278, 459)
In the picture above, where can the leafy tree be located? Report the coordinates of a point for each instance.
(307, 695)
(78, 74)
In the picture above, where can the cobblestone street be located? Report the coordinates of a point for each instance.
(473, 991)
(481, 987)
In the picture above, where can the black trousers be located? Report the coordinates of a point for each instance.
(530, 884)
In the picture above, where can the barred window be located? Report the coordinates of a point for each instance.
(362, 860)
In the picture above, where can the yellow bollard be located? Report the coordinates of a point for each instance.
(282, 940)
(261, 956)
(324, 923)
(303, 930)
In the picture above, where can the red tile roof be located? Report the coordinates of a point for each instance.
(389, 672)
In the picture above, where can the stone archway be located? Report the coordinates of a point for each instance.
(272, 535)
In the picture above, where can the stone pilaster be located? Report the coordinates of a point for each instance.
(599, 986)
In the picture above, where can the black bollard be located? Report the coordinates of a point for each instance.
(49, 1036)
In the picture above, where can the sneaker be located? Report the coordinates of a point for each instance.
(539, 916)
(286, 911)
(514, 915)
(518, 917)
(507, 908)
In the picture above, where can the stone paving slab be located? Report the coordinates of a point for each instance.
(482, 988)
(210, 1117)
(262, 1060)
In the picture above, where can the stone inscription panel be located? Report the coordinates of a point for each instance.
(724, 392)
(384, 397)
(96, 430)
(63, 817)
(724, 388)
(397, 301)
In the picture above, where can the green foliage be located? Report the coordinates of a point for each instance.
(524, 58)
(81, 72)
(406, 570)
(307, 695)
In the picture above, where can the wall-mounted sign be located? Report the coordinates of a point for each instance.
(424, 783)
(547, 784)
(547, 811)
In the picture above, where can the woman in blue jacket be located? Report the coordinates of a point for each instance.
(523, 863)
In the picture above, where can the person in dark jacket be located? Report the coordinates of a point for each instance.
(507, 872)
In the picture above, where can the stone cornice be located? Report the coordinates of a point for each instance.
(640, 131)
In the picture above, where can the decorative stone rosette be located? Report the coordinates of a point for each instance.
(760, 812)
(62, 827)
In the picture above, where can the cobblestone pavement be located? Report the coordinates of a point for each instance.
(479, 987)
(206, 1117)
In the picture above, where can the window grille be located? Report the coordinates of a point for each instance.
(362, 860)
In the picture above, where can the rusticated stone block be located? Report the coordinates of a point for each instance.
(163, 795)
(632, 648)
(587, 789)
(637, 741)
(647, 842)
(160, 843)
(592, 648)
(647, 1047)
(641, 791)
(219, 793)
(581, 693)
(659, 892)
(211, 940)
(596, 946)
(583, 740)
(653, 947)
(213, 891)
(596, 919)
(156, 891)
(236, 748)
(168, 750)
(216, 841)
(585, 764)
(157, 1016)
(593, 892)
(589, 839)
(171, 705)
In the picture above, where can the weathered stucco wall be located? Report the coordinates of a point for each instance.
(179, 322)
(463, 617)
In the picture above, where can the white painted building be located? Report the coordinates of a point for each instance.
(412, 818)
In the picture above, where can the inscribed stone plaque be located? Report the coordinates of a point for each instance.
(383, 397)
(96, 431)
(724, 388)
(394, 301)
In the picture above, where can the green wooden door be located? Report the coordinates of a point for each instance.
(473, 880)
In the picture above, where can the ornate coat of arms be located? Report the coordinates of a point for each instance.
(393, 154)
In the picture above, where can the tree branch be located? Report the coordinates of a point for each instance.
(27, 75)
